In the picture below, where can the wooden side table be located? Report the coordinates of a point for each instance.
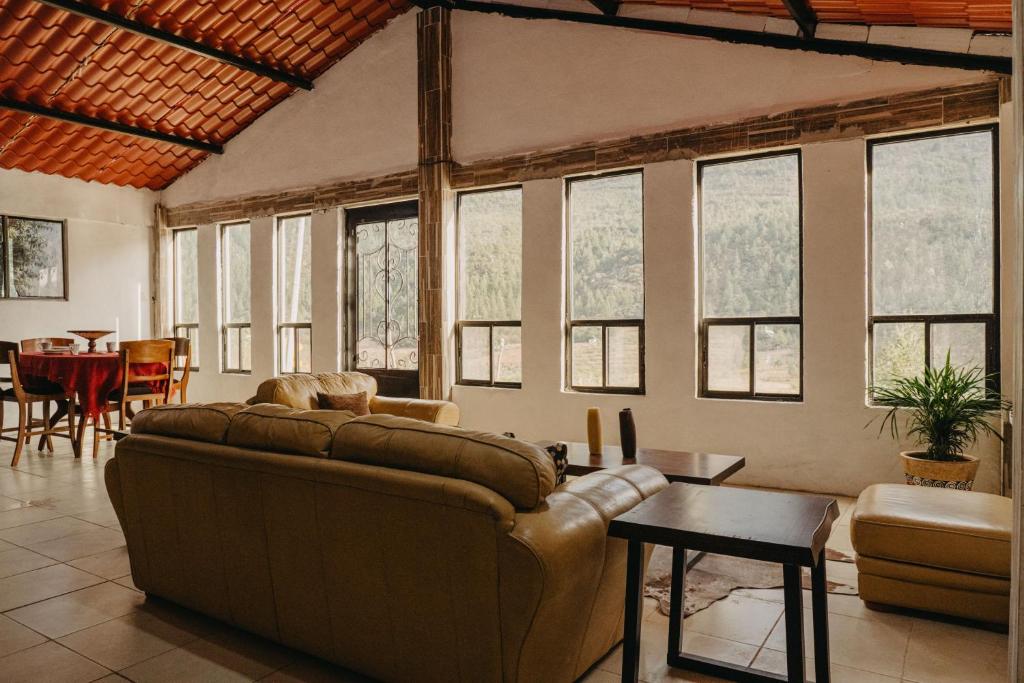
(787, 528)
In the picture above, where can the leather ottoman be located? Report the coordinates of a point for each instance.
(934, 549)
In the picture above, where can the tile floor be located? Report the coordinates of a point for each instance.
(69, 610)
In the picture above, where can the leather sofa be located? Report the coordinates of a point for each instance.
(401, 549)
(934, 549)
(300, 390)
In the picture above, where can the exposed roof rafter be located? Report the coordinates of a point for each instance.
(168, 38)
(607, 7)
(875, 51)
(113, 126)
(803, 15)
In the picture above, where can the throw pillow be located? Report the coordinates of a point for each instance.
(357, 403)
(559, 453)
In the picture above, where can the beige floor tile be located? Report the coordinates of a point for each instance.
(310, 670)
(774, 661)
(25, 515)
(595, 676)
(76, 546)
(874, 646)
(40, 584)
(739, 619)
(840, 539)
(10, 503)
(111, 678)
(50, 662)
(104, 516)
(40, 532)
(15, 637)
(21, 485)
(66, 614)
(210, 662)
(948, 653)
(127, 640)
(111, 564)
(16, 560)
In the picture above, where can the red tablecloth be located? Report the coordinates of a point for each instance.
(93, 376)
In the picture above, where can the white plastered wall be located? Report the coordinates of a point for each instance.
(109, 251)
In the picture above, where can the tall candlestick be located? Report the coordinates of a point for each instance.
(594, 437)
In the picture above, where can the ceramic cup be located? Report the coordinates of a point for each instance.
(111, 347)
(46, 346)
(74, 349)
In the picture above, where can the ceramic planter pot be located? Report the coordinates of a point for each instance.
(956, 474)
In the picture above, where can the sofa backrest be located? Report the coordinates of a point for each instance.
(521, 472)
(300, 390)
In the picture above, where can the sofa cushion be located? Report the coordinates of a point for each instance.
(197, 421)
(964, 531)
(300, 390)
(356, 403)
(280, 429)
(521, 472)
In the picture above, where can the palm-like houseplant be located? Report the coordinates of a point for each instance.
(949, 409)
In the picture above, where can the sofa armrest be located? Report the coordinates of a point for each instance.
(439, 412)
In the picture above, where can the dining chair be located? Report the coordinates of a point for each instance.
(35, 345)
(183, 360)
(25, 395)
(136, 387)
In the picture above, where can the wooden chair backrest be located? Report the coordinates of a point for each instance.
(35, 344)
(9, 356)
(147, 351)
(183, 354)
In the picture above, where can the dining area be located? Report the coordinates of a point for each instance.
(58, 387)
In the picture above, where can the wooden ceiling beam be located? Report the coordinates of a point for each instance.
(103, 124)
(168, 38)
(875, 51)
(803, 15)
(607, 7)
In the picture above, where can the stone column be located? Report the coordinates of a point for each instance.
(436, 204)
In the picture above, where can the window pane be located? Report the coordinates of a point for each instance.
(231, 349)
(371, 295)
(508, 354)
(476, 356)
(777, 359)
(964, 342)
(607, 250)
(236, 266)
(294, 252)
(186, 276)
(491, 254)
(750, 236)
(729, 358)
(403, 314)
(245, 339)
(304, 342)
(36, 258)
(932, 225)
(623, 356)
(287, 349)
(898, 351)
(586, 356)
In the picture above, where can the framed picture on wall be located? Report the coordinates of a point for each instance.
(34, 256)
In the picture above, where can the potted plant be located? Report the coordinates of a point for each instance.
(949, 408)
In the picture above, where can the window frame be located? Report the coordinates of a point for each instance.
(461, 323)
(291, 327)
(991, 320)
(751, 322)
(569, 322)
(181, 329)
(225, 284)
(5, 286)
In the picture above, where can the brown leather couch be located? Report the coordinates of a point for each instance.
(300, 390)
(934, 549)
(401, 549)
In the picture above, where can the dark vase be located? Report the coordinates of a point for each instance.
(627, 433)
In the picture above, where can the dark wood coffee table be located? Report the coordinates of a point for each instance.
(709, 469)
(787, 528)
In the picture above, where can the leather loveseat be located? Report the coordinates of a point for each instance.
(300, 390)
(401, 549)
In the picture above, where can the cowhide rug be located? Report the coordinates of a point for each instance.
(716, 576)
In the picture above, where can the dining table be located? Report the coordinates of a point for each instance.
(88, 378)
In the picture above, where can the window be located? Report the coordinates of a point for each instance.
(605, 335)
(294, 306)
(33, 258)
(236, 334)
(185, 280)
(934, 253)
(489, 332)
(750, 277)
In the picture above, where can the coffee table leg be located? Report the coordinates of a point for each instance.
(819, 606)
(634, 612)
(677, 593)
(794, 623)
